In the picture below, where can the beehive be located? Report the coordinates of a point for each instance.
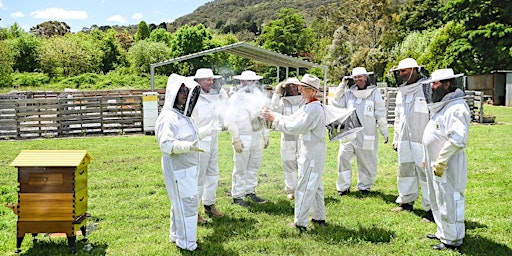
(52, 194)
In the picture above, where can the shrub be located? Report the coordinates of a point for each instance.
(32, 79)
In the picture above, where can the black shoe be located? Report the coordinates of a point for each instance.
(197, 249)
(443, 246)
(429, 217)
(402, 207)
(432, 236)
(345, 192)
(256, 198)
(319, 222)
(365, 192)
(240, 202)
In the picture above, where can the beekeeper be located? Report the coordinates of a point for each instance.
(370, 109)
(445, 138)
(177, 137)
(411, 116)
(286, 100)
(207, 114)
(309, 123)
(249, 136)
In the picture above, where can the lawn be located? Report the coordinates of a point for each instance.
(130, 208)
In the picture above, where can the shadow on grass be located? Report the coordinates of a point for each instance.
(224, 229)
(59, 246)
(333, 233)
(477, 245)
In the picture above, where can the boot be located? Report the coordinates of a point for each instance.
(212, 211)
(200, 220)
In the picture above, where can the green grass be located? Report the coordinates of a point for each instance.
(130, 208)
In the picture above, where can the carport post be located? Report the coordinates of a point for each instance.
(152, 72)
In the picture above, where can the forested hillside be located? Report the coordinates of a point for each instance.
(470, 36)
(233, 16)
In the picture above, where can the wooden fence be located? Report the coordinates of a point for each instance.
(475, 100)
(60, 117)
(114, 113)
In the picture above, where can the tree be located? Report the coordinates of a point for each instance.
(6, 62)
(187, 40)
(51, 28)
(486, 44)
(144, 53)
(142, 31)
(69, 55)
(362, 36)
(160, 35)
(125, 39)
(11, 32)
(288, 34)
(25, 50)
(419, 15)
(112, 53)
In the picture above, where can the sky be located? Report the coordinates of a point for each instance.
(85, 13)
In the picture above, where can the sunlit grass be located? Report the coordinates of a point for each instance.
(130, 208)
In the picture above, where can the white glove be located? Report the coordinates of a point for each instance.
(267, 141)
(181, 146)
(238, 145)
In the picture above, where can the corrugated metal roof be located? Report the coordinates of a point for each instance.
(48, 158)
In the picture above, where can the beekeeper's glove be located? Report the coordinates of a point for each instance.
(340, 90)
(447, 151)
(438, 168)
(180, 147)
(267, 141)
(238, 145)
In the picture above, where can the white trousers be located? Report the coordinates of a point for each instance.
(411, 174)
(208, 170)
(309, 195)
(366, 166)
(181, 187)
(289, 153)
(244, 178)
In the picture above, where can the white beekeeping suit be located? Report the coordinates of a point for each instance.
(177, 137)
(371, 112)
(248, 134)
(308, 122)
(411, 116)
(445, 138)
(286, 101)
(207, 113)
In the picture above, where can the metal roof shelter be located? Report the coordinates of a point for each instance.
(251, 52)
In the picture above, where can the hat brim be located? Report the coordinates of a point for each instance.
(204, 77)
(292, 82)
(308, 86)
(246, 78)
(367, 74)
(431, 80)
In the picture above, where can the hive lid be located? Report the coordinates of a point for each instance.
(45, 158)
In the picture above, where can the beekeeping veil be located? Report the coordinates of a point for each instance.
(342, 123)
(171, 91)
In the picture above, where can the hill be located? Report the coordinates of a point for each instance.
(234, 16)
